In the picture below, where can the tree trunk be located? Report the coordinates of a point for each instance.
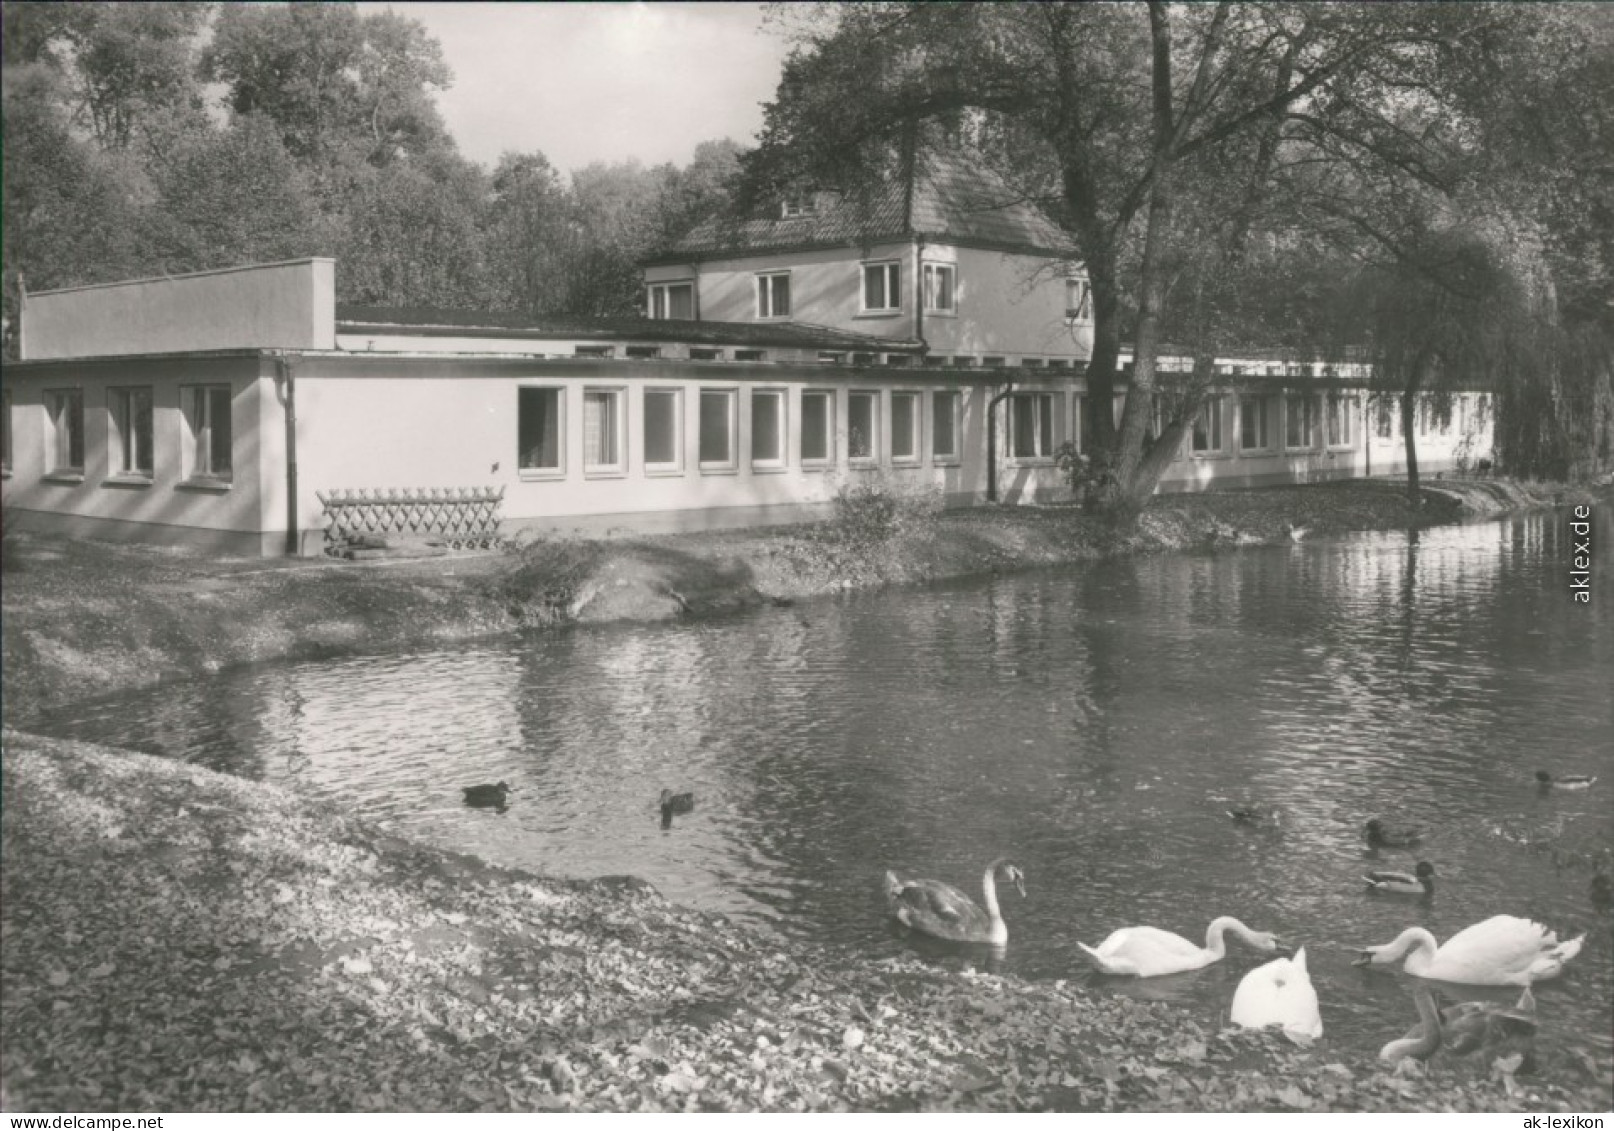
(1101, 366)
(1409, 435)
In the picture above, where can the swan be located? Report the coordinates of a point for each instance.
(1148, 951)
(1462, 1028)
(1567, 781)
(1420, 881)
(1501, 951)
(942, 911)
(1296, 533)
(1279, 993)
(1382, 834)
(486, 796)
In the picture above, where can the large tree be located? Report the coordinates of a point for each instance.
(1116, 115)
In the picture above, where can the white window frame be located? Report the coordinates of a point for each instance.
(658, 304)
(780, 412)
(914, 433)
(889, 274)
(544, 471)
(1209, 420)
(768, 296)
(954, 431)
(1263, 405)
(610, 461)
(64, 411)
(1044, 427)
(872, 398)
(810, 463)
(1340, 420)
(675, 466)
(199, 413)
(1078, 298)
(130, 456)
(731, 395)
(1307, 416)
(932, 274)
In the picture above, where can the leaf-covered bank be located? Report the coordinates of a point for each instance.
(88, 618)
(180, 940)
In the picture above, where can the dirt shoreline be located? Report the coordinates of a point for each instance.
(180, 940)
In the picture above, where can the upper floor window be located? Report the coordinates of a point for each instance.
(131, 431)
(941, 294)
(882, 286)
(672, 300)
(66, 439)
(797, 202)
(1078, 299)
(773, 295)
(209, 435)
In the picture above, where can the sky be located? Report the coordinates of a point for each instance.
(599, 81)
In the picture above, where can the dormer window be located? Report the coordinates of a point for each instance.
(672, 300)
(796, 203)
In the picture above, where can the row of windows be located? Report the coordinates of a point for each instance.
(541, 412)
(1308, 421)
(881, 293)
(131, 452)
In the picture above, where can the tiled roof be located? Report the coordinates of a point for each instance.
(954, 200)
(431, 322)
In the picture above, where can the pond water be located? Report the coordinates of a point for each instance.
(1095, 722)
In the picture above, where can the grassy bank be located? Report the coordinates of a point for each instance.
(180, 940)
(87, 618)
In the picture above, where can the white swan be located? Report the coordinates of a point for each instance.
(1148, 951)
(942, 911)
(1279, 993)
(1502, 951)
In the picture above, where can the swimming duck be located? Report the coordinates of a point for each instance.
(1257, 816)
(942, 911)
(1419, 881)
(1544, 780)
(1382, 834)
(1279, 993)
(1148, 952)
(1297, 533)
(486, 796)
(1501, 951)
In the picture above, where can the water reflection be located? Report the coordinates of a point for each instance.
(1097, 723)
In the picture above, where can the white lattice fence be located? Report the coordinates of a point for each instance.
(459, 517)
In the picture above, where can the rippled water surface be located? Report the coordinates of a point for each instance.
(1095, 722)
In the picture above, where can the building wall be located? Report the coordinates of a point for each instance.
(1007, 304)
(168, 505)
(275, 306)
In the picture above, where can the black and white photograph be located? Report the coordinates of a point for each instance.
(898, 557)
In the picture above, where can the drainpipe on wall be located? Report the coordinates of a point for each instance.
(992, 442)
(287, 393)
